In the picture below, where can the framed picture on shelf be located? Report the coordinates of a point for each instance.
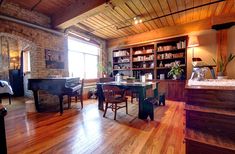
(54, 59)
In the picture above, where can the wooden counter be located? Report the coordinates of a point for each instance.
(210, 119)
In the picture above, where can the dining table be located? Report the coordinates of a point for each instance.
(140, 88)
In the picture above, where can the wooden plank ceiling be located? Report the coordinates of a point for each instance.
(47, 7)
(117, 20)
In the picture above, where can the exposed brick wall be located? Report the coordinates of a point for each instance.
(14, 10)
(37, 39)
(41, 40)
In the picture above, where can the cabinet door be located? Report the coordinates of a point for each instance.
(163, 88)
(176, 90)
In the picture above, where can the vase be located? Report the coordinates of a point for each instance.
(176, 77)
(221, 75)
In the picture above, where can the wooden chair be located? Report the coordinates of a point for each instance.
(78, 95)
(114, 101)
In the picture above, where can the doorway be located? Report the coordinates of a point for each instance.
(15, 62)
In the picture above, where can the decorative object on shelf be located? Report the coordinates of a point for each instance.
(149, 51)
(162, 76)
(54, 59)
(149, 76)
(223, 63)
(176, 71)
(144, 65)
(121, 53)
(193, 42)
(130, 79)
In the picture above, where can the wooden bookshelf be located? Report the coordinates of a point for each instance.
(145, 58)
(168, 52)
(122, 61)
(142, 68)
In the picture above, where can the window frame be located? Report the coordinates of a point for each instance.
(84, 56)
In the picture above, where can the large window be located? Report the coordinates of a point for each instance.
(83, 58)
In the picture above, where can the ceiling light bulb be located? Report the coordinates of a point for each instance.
(134, 18)
(140, 20)
(136, 22)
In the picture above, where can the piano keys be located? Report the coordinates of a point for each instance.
(55, 86)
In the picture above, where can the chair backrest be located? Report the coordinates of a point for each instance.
(111, 91)
(82, 85)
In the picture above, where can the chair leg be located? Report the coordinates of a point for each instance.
(115, 111)
(105, 110)
(9, 97)
(113, 106)
(81, 103)
(132, 97)
(126, 108)
(69, 102)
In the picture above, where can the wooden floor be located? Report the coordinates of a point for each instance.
(86, 131)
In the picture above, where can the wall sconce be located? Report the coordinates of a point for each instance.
(137, 20)
(14, 61)
(193, 42)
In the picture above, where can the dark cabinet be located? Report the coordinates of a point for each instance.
(174, 89)
(16, 81)
(210, 120)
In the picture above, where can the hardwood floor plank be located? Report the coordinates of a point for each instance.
(86, 131)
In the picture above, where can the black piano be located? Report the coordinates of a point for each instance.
(55, 86)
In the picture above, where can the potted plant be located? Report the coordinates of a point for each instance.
(176, 71)
(106, 70)
(223, 63)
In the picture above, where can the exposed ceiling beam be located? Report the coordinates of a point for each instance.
(68, 16)
(82, 9)
(36, 5)
(1, 2)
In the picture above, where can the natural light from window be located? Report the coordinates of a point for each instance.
(83, 58)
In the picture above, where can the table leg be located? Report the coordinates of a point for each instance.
(35, 95)
(142, 96)
(9, 97)
(100, 97)
(156, 91)
(61, 104)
